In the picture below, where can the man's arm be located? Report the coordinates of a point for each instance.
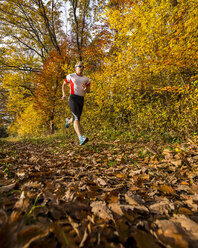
(64, 90)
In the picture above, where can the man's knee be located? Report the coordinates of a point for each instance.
(76, 117)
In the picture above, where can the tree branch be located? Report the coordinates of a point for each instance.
(6, 67)
(28, 88)
(31, 48)
(51, 34)
(31, 24)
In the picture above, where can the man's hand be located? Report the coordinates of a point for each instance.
(63, 98)
(63, 91)
(85, 88)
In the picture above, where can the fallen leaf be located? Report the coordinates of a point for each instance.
(7, 187)
(167, 190)
(162, 206)
(101, 181)
(189, 226)
(100, 209)
(177, 162)
(168, 233)
(184, 211)
(120, 175)
(115, 207)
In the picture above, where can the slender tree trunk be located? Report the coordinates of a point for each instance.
(79, 25)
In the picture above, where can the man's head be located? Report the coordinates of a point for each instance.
(79, 68)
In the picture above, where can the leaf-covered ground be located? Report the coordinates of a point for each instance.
(104, 194)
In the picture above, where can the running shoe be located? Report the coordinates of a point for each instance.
(67, 123)
(83, 140)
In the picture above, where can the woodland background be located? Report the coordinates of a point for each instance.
(140, 55)
(135, 183)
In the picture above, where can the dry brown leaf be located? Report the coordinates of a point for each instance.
(100, 181)
(162, 206)
(115, 207)
(100, 209)
(167, 190)
(138, 208)
(189, 226)
(120, 175)
(177, 162)
(167, 232)
(7, 188)
(133, 188)
(195, 188)
(111, 198)
(141, 179)
(183, 187)
(167, 154)
(120, 159)
(191, 203)
(111, 195)
(184, 211)
(130, 200)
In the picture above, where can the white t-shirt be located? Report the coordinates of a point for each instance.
(76, 83)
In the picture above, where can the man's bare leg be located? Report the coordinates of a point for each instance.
(70, 120)
(77, 128)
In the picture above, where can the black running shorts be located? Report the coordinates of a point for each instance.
(76, 106)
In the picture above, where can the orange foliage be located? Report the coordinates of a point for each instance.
(48, 86)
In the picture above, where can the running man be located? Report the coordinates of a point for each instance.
(79, 86)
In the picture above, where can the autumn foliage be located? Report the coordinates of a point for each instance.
(140, 55)
(149, 78)
(135, 183)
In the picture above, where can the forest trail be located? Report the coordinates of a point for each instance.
(104, 194)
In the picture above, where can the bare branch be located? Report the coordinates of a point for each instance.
(30, 48)
(6, 67)
(51, 34)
